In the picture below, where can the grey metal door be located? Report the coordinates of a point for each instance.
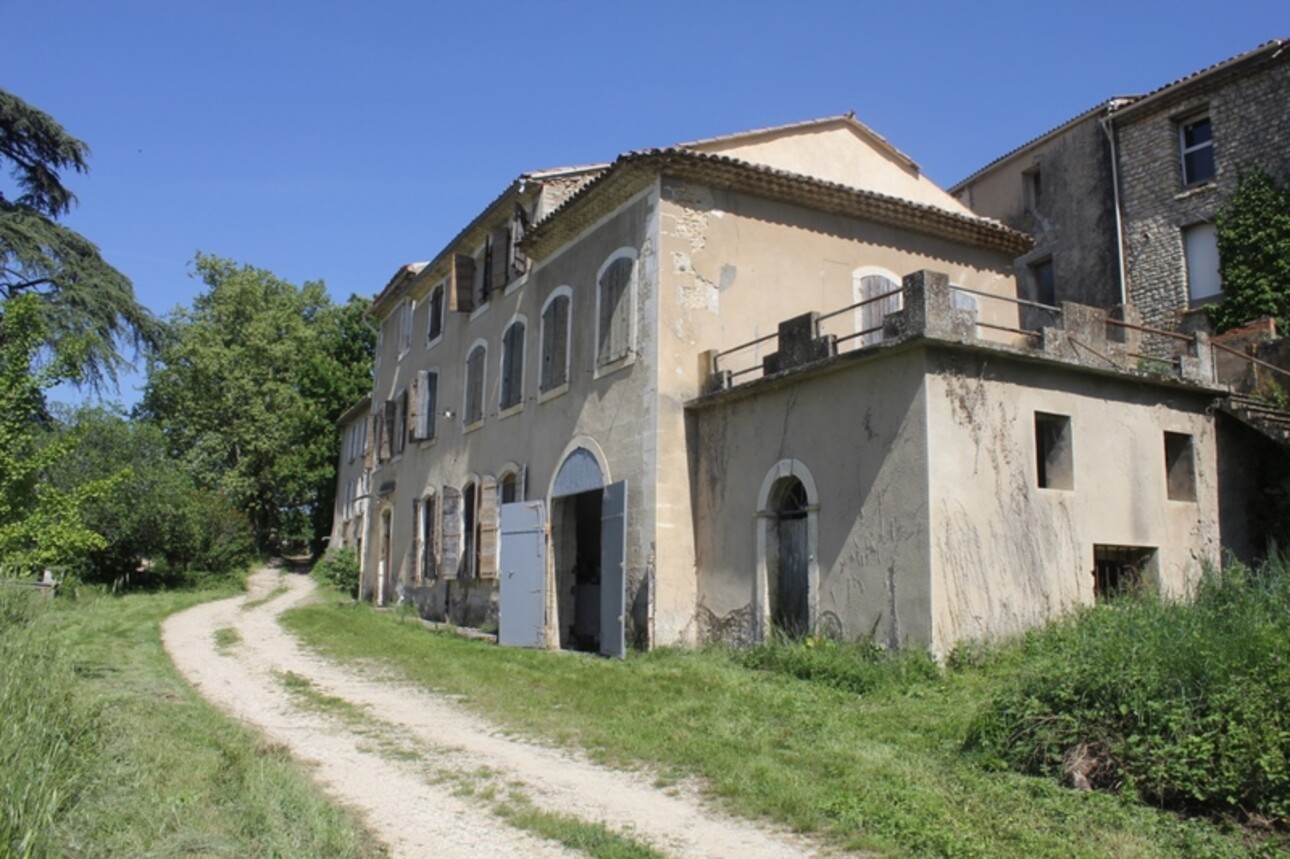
(522, 607)
(613, 570)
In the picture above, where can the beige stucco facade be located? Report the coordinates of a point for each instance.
(725, 241)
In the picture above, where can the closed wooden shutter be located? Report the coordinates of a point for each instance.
(488, 528)
(555, 344)
(461, 284)
(450, 532)
(475, 386)
(615, 310)
(560, 343)
(500, 247)
(512, 364)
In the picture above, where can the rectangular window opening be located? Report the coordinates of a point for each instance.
(1121, 570)
(1054, 461)
(1196, 147)
(1180, 467)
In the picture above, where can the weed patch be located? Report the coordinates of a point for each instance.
(1186, 705)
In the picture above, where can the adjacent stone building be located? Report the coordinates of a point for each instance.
(1121, 199)
(776, 380)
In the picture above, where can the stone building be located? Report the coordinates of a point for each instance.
(772, 380)
(1121, 199)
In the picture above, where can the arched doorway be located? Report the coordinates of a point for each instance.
(588, 553)
(787, 570)
(788, 581)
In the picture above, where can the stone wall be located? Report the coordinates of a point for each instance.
(1250, 117)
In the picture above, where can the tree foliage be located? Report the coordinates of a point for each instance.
(248, 387)
(1254, 252)
(159, 526)
(41, 525)
(87, 307)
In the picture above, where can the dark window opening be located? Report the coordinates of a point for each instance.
(1121, 570)
(510, 488)
(1180, 467)
(435, 311)
(1033, 182)
(470, 531)
(789, 569)
(1196, 142)
(1054, 460)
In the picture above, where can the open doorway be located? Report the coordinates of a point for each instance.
(384, 574)
(576, 534)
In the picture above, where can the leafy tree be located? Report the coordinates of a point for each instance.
(248, 387)
(87, 307)
(159, 525)
(1254, 252)
(41, 525)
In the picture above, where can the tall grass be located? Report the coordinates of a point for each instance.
(1186, 704)
(106, 751)
(46, 731)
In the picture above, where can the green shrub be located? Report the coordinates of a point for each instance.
(857, 667)
(47, 735)
(1185, 704)
(339, 568)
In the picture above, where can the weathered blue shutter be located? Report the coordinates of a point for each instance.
(613, 570)
(522, 608)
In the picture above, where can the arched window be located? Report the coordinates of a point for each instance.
(614, 297)
(434, 327)
(879, 290)
(512, 376)
(555, 340)
(473, 410)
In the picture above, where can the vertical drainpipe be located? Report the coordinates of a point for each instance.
(1107, 124)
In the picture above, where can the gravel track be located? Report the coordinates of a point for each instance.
(403, 754)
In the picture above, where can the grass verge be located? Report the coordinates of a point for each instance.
(140, 765)
(883, 770)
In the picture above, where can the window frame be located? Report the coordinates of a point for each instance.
(1191, 268)
(603, 364)
(1184, 124)
(427, 405)
(1180, 467)
(1054, 451)
(546, 393)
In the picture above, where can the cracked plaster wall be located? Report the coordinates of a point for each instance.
(1007, 554)
(862, 434)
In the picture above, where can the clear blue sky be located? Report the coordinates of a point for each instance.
(337, 141)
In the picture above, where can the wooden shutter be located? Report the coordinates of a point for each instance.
(390, 425)
(369, 442)
(519, 262)
(488, 528)
(461, 284)
(475, 386)
(547, 381)
(615, 310)
(416, 540)
(450, 532)
(430, 525)
(414, 406)
(560, 343)
(499, 245)
(419, 414)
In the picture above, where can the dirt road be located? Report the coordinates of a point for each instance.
(424, 773)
